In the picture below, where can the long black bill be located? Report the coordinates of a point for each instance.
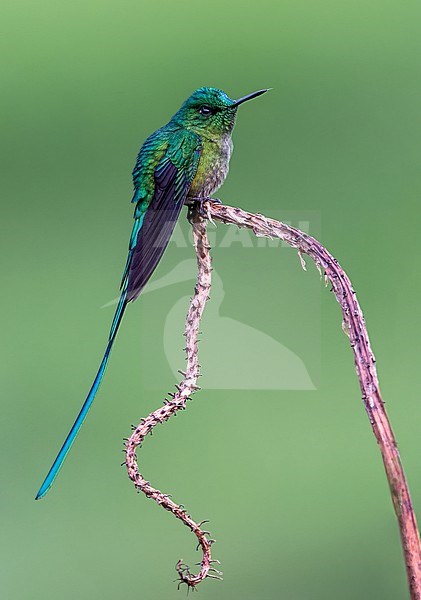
(249, 97)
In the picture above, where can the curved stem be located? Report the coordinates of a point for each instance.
(178, 402)
(354, 325)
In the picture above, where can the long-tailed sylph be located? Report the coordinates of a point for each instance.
(184, 161)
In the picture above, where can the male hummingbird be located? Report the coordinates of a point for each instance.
(184, 161)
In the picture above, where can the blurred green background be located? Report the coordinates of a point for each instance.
(292, 481)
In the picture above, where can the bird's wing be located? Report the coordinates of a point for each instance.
(155, 217)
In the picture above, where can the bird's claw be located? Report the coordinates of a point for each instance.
(199, 203)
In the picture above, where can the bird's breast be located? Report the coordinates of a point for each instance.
(213, 167)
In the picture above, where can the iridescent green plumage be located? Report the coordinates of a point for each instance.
(185, 160)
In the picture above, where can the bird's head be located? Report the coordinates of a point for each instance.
(209, 111)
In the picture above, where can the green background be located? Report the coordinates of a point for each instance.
(291, 481)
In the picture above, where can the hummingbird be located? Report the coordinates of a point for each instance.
(183, 162)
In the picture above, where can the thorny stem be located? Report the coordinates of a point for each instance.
(177, 402)
(365, 364)
(354, 326)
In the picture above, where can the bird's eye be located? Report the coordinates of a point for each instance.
(205, 110)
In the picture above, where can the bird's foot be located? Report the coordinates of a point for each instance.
(200, 201)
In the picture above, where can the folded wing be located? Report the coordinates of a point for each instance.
(155, 223)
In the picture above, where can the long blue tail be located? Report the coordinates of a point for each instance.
(52, 473)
